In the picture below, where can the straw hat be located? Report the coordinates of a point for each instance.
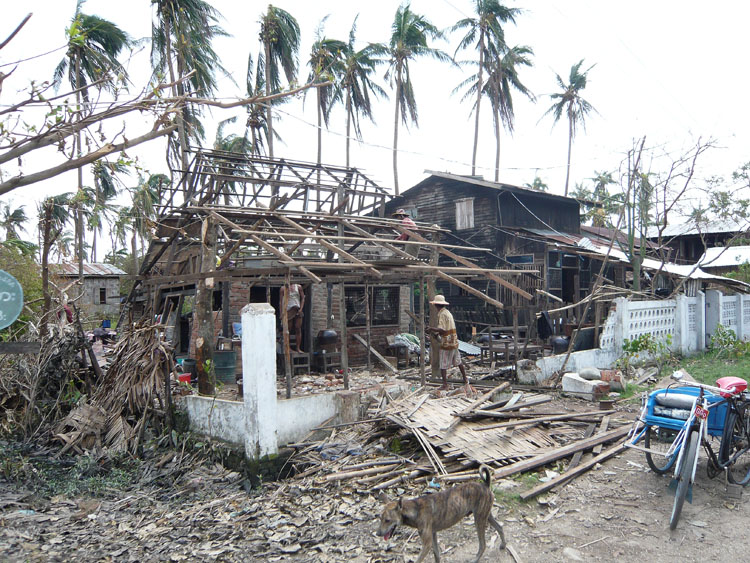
(439, 300)
(400, 213)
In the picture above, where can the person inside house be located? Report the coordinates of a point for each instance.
(294, 305)
(408, 224)
(446, 333)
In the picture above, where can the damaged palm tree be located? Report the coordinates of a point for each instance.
(131, 397)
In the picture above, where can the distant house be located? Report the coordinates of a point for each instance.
(688, 242)
(101, 289)
(724, 259)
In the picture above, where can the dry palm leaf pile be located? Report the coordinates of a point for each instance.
(131, 395)
(421, 438)
(39, 389)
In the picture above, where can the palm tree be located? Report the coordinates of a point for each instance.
(570, 103)
(502, 79)
(181, 43)
(54, 213)
(230, 166)
(410, 34)
(325, 66)
(486, 29)
(141, 213)
(280, 36)
(12, 221)
(357, 84)
(91, 59)
(105, 190)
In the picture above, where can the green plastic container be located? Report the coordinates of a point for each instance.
(224, 365)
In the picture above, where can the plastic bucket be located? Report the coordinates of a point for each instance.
(224, 365)
(189, 365)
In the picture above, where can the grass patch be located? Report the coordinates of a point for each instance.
(47, 476)
(711, 366)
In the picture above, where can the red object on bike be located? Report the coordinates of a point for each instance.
(732, 384)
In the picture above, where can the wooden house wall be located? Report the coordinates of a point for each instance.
(437, 205)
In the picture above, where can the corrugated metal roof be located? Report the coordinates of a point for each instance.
(725, 256)
(709, 227)
(96, 269)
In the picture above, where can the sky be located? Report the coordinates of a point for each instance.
(673, 71)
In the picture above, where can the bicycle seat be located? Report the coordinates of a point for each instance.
(732, 384)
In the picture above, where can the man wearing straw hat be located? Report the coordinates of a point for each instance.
(446, 333)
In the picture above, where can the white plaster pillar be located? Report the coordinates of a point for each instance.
(700, 321)
(259, 379)
(681, 332)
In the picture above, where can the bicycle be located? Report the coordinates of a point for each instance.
(677, 420)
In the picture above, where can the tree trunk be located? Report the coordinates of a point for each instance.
(570, 146)
(46, 244)
(497, 153)
(204, 343)
(79, 149)
(395, 132)
(348, 124)
(269, 115)
(479, 101)
(320, 132)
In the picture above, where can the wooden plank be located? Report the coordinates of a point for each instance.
(475, 404)
(578, 455)
(551, 418)
(562, 452)
(375, 353)
(602, 428)
(31, 347)
(470, 264)
(468, 289)
(568, 475)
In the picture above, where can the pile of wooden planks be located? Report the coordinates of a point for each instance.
(447, 438)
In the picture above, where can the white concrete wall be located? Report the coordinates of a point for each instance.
(298, 415)
(295, 417)
(224, 420)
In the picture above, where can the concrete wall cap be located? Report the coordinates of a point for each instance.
(257, 309)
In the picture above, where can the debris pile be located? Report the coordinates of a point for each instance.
(134, 392)
(35, 389)
(425, 438)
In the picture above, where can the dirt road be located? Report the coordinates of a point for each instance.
(618, 511)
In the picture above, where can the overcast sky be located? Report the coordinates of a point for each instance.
(673, 70)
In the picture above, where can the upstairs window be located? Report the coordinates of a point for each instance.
(465, 214)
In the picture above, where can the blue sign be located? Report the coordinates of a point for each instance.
(11, 299)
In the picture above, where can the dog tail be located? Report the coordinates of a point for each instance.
(485, 473)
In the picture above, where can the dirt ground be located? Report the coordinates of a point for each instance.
(618, 511)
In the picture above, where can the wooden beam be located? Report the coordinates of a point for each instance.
(559, 453)
(375, 353)
(387, 245)
(470, 264)
(20, 347)
(273, 250)
(467, 411)
(540, 419)
(328, 245)
(568, 475)
(469, 289)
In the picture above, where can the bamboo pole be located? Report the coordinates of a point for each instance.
(285, 333)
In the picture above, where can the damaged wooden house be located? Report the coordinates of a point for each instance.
(525, 229)
(237, 229)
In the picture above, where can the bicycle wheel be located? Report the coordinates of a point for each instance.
(660, 439)
(736, 442)
(683, 476)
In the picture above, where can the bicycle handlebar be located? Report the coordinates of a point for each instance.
(733, 392)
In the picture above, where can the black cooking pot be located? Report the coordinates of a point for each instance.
(327, 336)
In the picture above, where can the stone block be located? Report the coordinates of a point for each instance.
(574, 384)
(529, 373)
(614, 378)
(590, 374)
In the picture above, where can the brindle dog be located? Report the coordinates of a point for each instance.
(439, 511)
